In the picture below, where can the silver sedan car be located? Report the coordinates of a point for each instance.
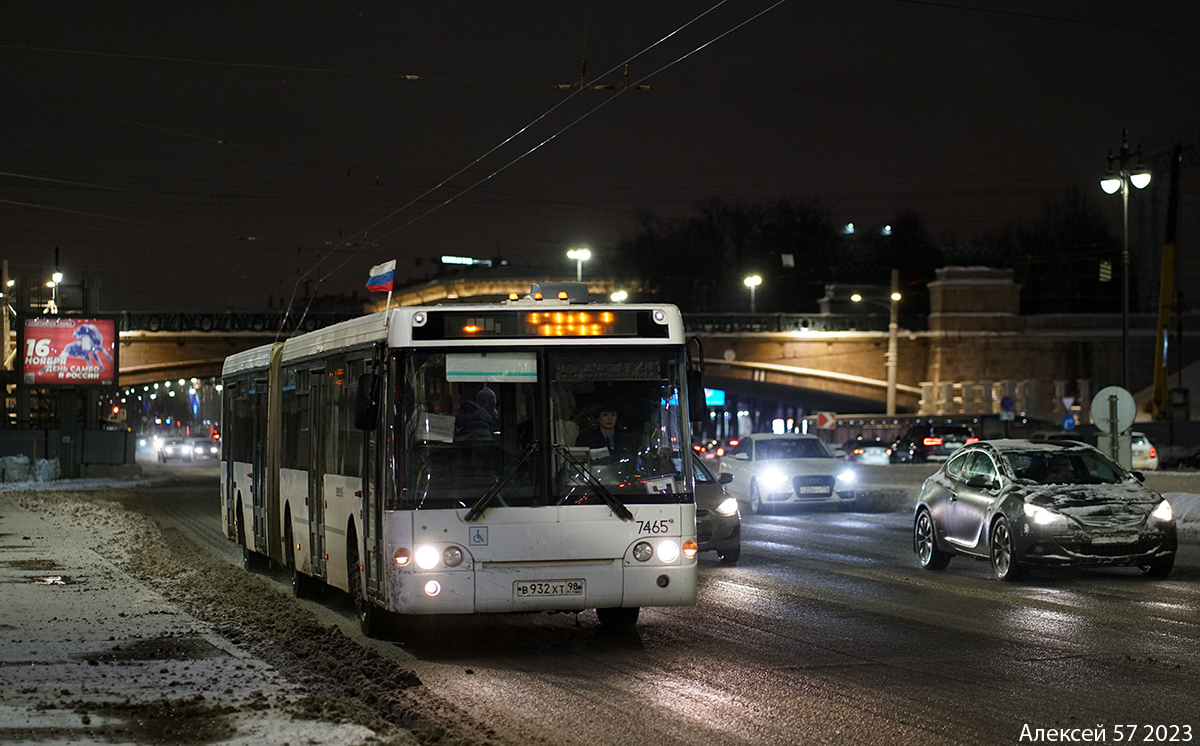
(1022, 503)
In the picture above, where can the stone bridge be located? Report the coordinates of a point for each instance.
(973, 350)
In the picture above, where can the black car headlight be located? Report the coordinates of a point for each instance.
(1043, 516)
(1163, 512)
(728, 507)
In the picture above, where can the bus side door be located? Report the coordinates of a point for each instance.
(316, 472)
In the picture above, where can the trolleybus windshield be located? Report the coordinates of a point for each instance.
(532, 427)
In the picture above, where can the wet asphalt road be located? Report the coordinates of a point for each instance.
(827, 631)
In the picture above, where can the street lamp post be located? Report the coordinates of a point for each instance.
(1139, 177)
(580, 256)
(892, 359)
(752, 282)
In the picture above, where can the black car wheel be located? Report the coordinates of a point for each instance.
(928, 553)
(1004, 561)
(1159, 568)
(730, 556)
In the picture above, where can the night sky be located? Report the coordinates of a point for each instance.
(205, 156)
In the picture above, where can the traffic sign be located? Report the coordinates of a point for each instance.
(1068, 422)
(826, 420)
(1102, 406)
(1007, 404)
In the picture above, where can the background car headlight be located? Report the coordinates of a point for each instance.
(1163, 512)
(1040, 515)
(728, 506)
(773, 478)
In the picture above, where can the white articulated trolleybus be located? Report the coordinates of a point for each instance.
(443, 460)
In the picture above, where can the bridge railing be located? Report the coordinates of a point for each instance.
(792, 322)
(228, 322)
(694, 322)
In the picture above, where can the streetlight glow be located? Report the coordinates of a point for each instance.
(1111, 183)
(892, 358)
(752, 282)
(619, 297)
(580, 256)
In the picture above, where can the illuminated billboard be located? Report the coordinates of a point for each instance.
(68, 351)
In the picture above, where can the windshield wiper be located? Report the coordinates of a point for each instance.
(609, 498)
(482, 503)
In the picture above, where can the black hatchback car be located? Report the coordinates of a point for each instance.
(930, 442)
(1022, 503)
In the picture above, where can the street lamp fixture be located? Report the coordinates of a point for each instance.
(752, 282)
(580, 256)
(892, 359)
(619, 297)
(1129, 171)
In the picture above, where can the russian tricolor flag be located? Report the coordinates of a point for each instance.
(382, 277)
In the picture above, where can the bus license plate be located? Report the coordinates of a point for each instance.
(533, 588)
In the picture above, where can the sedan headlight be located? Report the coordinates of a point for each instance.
(774, 478)
(1041, 516)
(847, 477)
(1163, 512)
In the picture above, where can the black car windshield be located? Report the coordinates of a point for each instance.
(787, 448)
(1056, 466)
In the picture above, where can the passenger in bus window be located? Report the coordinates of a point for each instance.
(476, 420)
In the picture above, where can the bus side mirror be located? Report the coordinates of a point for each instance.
(366, 401)
(697, 406)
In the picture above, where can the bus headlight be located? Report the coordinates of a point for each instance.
(402, 557)
(452, 557)
(432, 588)
(668, 551)
(642, 551)
(427, 557)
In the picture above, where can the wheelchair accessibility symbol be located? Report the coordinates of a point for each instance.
(479, 536)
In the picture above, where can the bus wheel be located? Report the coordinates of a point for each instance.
(617, 617)
(302, 585)
(253, 561)
(370, 617)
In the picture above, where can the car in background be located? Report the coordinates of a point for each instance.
(178, 449)
(1145, 455)
(204, 449)
(718, 520)
(867, 451)
(1021, 503)
(772, 471)
(930, 442)
(1074, 436)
